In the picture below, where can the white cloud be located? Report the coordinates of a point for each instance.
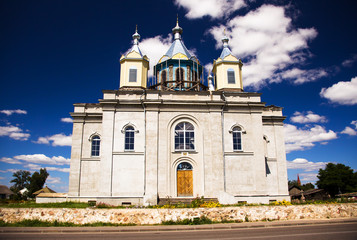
(38, 167)
(13, 132)
(349, 62)
(350, 131)
(300, 139)
(33, 166)
(43, 159)
(56, 140)
(211, 8)
(67, 120)
(154, 48)
(9, 170)
(302, 76)
(270, 45)
(53, 180)
(308, 117)
(9, 160)
(57, 169)
(10, 112)
(301, 163)
(308, 177)
(344, 93)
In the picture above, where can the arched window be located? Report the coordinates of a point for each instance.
(184, 136)
(230, 76)
(129, 138)
(237, 139)
(179, 74)
(95, 146)
(163, 76)
(184, 166)
(132, 74)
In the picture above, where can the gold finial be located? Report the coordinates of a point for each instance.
(136, 28)
(224, 31)
(177, 18)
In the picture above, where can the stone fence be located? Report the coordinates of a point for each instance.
(156, 216)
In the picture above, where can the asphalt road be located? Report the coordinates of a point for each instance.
(321, 231)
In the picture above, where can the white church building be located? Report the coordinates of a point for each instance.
(173, 136)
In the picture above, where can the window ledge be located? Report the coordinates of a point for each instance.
(238, 153)
(128, 153)
(185, 151)
(91, 159)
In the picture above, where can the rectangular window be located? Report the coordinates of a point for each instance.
(132, 75)
(129, 140)
(190, 136)
(179, 140)
(231, 78)
(237, 141)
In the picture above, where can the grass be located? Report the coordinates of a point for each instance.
(195, 221)
(33, 204)
(39, 223)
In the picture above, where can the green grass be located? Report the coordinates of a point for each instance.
(33, 204)
(39, 223)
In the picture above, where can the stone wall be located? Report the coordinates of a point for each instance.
(156, 216)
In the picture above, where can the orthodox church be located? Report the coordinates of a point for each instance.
(173, 136)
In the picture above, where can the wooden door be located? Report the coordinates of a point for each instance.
(184, 183)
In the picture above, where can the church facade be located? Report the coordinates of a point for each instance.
(175, 137)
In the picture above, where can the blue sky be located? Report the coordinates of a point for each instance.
(301, 55)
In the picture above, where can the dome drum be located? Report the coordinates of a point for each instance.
(178, 75)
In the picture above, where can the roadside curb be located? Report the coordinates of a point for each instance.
(159, 228)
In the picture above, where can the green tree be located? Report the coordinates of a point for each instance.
(292, 183)
(37, 180)
(307, 186)
(21, 180)
(337, 178)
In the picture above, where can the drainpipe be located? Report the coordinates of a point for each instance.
(143, 105)
(223, 150)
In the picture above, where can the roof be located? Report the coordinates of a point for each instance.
(44, 190)
(52, 195)
(135, 47)
(352, 194)
(5, 190)
(226, 51)
(309, 192)
(177, 46)
(294, 186)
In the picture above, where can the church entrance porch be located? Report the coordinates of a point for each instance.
(184, 180)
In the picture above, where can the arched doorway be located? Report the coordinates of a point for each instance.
(184, 180)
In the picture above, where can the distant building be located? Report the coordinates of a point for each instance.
(176, 136)
(44, 190)
(5, 192)
(296, 193)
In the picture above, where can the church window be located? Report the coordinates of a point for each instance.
(230, 76)
(184, 136)
(132, 74)
(179, 74)
(95, 146)
(163, 76)
(184, 166)
(129, 138)
(237, 138)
